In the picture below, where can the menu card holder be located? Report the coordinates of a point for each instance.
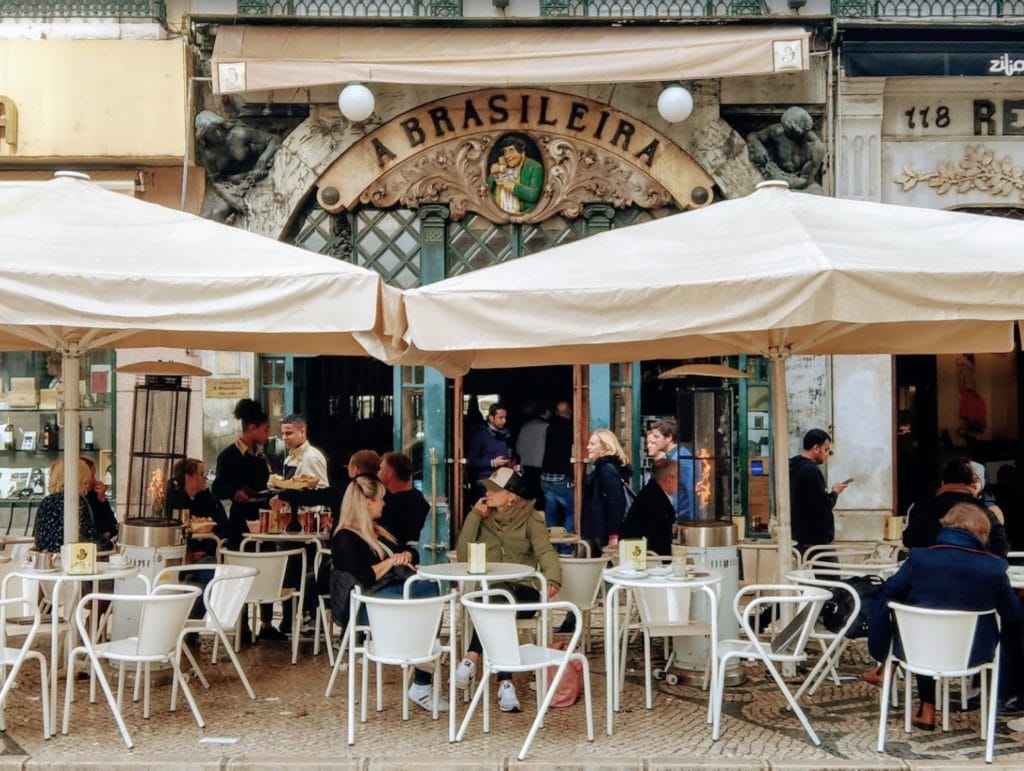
(633, 553)
(477, 558)
(79, 558)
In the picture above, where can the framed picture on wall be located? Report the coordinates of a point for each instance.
(28, 441)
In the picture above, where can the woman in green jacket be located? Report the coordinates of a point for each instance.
(513, 531)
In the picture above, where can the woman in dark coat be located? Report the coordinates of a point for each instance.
(957, 573)
(604, 494)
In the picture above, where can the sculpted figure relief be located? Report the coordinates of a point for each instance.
(235, 157)
(789, 151)
(515, 180)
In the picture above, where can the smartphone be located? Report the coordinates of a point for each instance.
(847, 481)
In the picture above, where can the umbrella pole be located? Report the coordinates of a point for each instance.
(780, 432)
(69, 375)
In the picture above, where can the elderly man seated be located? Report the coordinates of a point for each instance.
(957, 573)
(513, 531)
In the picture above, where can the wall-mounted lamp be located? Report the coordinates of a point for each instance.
(356, 102)
(675, 103)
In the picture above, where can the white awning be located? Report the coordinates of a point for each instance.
(257, 58)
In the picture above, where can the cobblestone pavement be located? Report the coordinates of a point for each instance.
(291, 723)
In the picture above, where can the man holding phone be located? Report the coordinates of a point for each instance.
(810, 501)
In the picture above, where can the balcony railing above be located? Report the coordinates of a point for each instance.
(652, 8)
(351, 8)
(57, 10)
(927, 9)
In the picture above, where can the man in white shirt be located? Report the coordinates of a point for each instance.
(303, 458)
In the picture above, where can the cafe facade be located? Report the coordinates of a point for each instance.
(412, 191)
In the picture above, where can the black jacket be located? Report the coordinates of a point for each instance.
(651, 516)
(810, 504)
(604, 500)
(923, 522)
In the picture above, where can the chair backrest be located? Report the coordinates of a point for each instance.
(403, 628)
(824, 555)
(788, 643)
(266, 586)
(581, 580)
(936, 640)
(227, 591)
(162, 617)
(495, 623)
(661, 604)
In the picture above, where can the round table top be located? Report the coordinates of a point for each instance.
(103, 572)
(297, 537)
(459, 571)
(701, 576)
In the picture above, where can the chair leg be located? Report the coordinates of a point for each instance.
(792, 702)
(102, 678)
(173, 660)
(237, 665)
(883, 710)
(339, 661)
(587, 700)
(543, 708)
(480, 691)
(993, 692)
(351, 701)
(648, 699)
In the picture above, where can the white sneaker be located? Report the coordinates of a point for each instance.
(464, 672)
(424, 696)
(507, 701)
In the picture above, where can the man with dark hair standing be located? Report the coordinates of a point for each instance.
(663, 442)
(303, 459)
(810, 502)
(556, 468)
(405, 508)
(491, 446)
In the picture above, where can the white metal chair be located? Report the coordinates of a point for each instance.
(268, 586)
(666, 610)
(937, 643)
(162, 617)
(15, 608)
(822, 555)
(832, 643)
(323, 620)
(581, 584)
(223, 597)
(495, 624)
(402, 632)
(787, 645)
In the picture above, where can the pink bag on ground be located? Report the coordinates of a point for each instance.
(568, 691)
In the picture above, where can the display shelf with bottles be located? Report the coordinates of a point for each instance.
(32, 431)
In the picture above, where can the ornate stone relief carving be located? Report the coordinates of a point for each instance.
(977, 170)
(456, 173)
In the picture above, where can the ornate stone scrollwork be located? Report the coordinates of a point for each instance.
(977, 170)
(456, 173)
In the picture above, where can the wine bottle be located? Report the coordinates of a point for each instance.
(47, 438)
(7, 436)
(88, 437)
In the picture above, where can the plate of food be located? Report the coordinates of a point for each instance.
(301, 482)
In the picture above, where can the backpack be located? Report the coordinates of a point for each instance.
(836, 611)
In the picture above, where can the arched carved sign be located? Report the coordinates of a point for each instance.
(514, 155)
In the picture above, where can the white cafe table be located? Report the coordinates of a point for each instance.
(58, 577)
(619, 584)
(314, 538)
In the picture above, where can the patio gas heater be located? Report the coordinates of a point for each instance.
(705, 415)
(151, 535)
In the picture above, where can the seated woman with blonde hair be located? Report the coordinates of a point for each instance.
(49, 527)
(377, 562)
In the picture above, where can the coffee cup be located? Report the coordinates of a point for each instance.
(42, 560)
(117, 561)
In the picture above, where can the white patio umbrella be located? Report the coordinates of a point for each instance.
(83, 268)
(774, 273)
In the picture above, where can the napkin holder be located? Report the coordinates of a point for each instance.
(893, 528)
(633, 553)
(477, 558)
(78, 558)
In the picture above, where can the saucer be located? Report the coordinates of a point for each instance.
(630, 573)
(45, 570)
(664, 570)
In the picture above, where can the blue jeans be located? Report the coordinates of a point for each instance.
(555, 494)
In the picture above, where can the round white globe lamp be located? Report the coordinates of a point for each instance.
(356, 102)
(675, 104)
